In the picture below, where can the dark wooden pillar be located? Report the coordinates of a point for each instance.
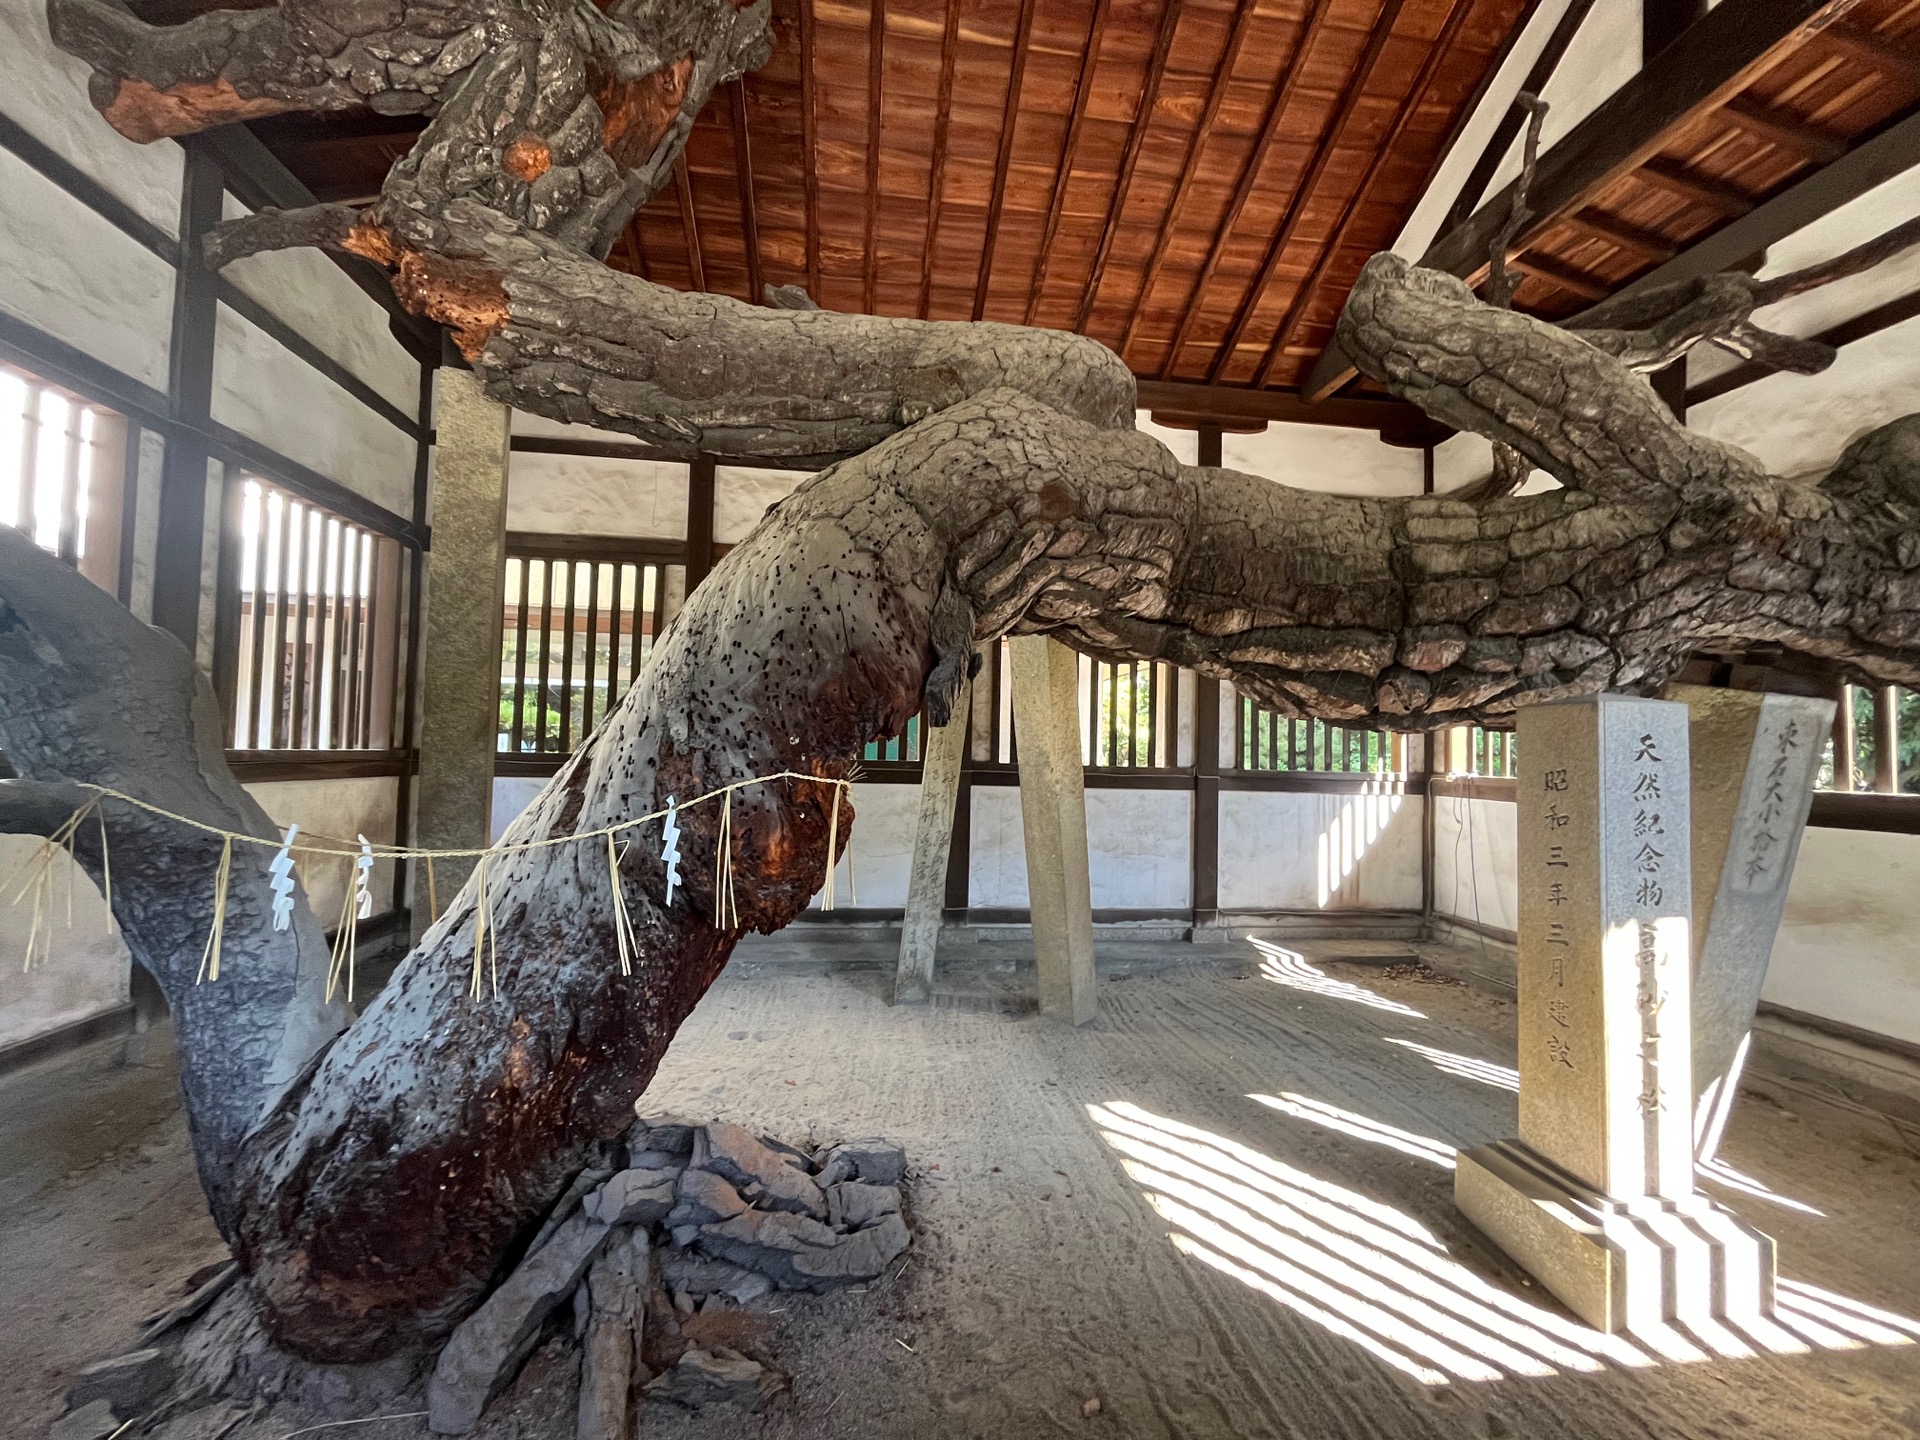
(1205, 887)
(1886, 739)
(183, 478)
(960, 850)
(699, 520)
(1670, 385)
(1664, 21)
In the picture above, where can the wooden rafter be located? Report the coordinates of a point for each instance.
(1676, 179)
(1190, 165)
(876, 69)
(689, 226)
(743, 179)
(810, 144)
(937, 173)
(1780, 128)
(1383, 150)
(1249, 175)
(1619, 232)
(1023, 33)
(1882, 55)
(1123, 182)
(1587, 287)
(1325, 144)
(1082, 92)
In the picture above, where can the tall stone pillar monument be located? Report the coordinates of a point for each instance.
(1596, 1197)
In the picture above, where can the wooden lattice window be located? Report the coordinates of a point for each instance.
(318, 627)
(1278, 743)
(61, 465)
(580, 622)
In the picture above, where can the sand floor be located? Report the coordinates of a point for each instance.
(1223, 1209)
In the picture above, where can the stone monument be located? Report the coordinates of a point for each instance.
(1755, 759)
(1596, 1198)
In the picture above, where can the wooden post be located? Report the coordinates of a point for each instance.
(1843, 739)
(1204, 889)
(1053, 815)
(941, 761)
(699, 520)
(1886, 739)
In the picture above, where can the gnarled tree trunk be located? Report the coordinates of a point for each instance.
(982, 480)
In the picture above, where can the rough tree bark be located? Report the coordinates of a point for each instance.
(982, 479)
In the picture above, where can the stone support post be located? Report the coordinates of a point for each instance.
(940, 762)
(1053, 814)
(460, 645)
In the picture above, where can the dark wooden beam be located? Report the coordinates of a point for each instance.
(1504, 134)
(1708, 65)
(876, 73)
(1082, 92)
(617, 450)
(1123, 182)
(1711, 63)
(699, 520)
(937, 174)
(1243, 188)
(1664, 21)
(1010, 117)
(1788, 131)
(1676, 179)
(1872, 162)
(178, 547)
(1871, 322)
(689, 226)
(1239, 406)
(1384, 149)
(1327, 143)
(743, 179)
(810, 143)
(1189, 165)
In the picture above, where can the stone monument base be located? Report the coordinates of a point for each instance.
(1617, 1264)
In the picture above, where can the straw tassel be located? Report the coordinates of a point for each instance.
(210, 957)
(106, 871)
(726, 913)
(345, 942)
(833, 843)
(482, 934)
(433, 893)
(622, 922)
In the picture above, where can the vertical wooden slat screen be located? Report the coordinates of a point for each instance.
(50, 463)
(1273, 742)
(313, 629)
(575, 631)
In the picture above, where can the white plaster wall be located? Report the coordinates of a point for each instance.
(741, 496)
(271, 395)
(69, 272)
(317, 299)
(87, 969)
(1285, 850)
(1604, 55)
(1328, 458)
(581, 495)
(511, 795)
(1849, 943)
(342, 809)
(1185, 444)
(1466, 459)
(1475, 861)
(1138, 848)
(1797, 425)
(881, 862)
(44, 90)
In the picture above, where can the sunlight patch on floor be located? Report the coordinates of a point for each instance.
(1292, 969)
(1375, 1276)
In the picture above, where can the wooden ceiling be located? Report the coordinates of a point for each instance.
(1193, 182)
(1197, 182)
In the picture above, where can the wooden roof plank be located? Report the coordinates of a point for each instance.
(743, 180)
(1123, 183)
(1383, 151)
(876, 71)
(1021, 35)
(1328, 143)
(1190, 167)
(937, 171)
(689, 227)
(1244, 185)
(1069, 148)
(810, 140)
